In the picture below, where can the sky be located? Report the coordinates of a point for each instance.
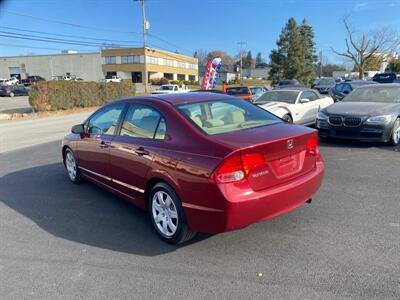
(186, 25)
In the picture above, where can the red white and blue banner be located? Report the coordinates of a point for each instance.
(210, 74)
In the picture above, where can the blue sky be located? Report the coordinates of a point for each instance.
(187, 25)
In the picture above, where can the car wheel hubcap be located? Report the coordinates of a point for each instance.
(71, 165)
(396, 132)
(164, 213)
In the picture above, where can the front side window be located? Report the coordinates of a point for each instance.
(105, 121)
(309, 95)
(223, 116)
(143, 122)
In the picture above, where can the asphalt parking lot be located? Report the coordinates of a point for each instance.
(15, 105)
(65, 241)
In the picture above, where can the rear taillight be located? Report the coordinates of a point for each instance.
(237, 167)
(312, 146)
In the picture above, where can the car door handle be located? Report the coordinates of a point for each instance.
(141, 151)
(104, 144)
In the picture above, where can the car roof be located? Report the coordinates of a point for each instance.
(293, 89)
(361, 82)
(183, 98)
(380, 86)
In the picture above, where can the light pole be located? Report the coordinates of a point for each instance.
(241, 59)
(145, 27)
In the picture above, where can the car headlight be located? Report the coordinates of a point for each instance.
(322, 116)
(379, 119)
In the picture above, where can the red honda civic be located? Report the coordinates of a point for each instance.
(198, 162)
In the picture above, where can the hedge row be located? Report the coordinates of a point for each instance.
(61, 95)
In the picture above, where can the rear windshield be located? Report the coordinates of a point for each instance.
(278, 96)
(237, 91)
(375, 93)
(326, 81)
(384, 78)
(223, 116)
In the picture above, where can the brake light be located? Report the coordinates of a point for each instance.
(312, 146)
(237, 167)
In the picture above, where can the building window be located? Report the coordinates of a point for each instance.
(111, 60)
(181, 64)
(168, 62)
(191, 66)
(131, 59)
(169, 76)
(181, 77)
(192, 78)
(152, 60)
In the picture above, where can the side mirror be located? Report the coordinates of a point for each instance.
(346, 92)
(304, 100)
(78, 129)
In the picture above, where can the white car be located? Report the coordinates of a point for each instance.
(113, 79)
(299, 106)
(170, 89)
(10, 81)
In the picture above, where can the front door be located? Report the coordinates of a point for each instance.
(93, 149)
(308, 111)
(133, 149)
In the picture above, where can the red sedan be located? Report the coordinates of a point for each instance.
(198, 162)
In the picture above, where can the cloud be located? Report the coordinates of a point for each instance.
(360, 6)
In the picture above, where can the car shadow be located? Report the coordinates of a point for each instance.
(82, 213)
(341, 143)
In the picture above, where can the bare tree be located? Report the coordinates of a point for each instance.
(363, 47)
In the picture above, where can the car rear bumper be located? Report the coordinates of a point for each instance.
(242, 206)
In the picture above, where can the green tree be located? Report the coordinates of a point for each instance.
(394, 65)
(248, 61)
(259, 59)
(294, 57)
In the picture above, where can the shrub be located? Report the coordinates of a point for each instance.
(159, 81)
(61, 95)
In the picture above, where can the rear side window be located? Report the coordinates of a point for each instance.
(237, 91)
(105, 121)
(143, 122)
(223, 116)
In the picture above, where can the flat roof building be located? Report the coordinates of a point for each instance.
(128, 63)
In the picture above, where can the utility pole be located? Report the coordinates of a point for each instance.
(241, 59)
(145, 27)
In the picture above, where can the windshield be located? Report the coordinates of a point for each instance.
(166, 88)
(326, 82)
(375, 94)
(223, 116)
(278, 96)
(237, 91)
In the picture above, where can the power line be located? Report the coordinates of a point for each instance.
(67, 23)
(57, 40)
(65, 35)
(41, 48)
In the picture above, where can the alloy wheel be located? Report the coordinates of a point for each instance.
(164, 213)
(70, 164)
(396, 132)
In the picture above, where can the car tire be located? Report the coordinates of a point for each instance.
(395, 137)
(288, 118)
(12, 94)
(72, 166)
(166, 215)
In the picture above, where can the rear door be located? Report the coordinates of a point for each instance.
(93, 148)
(133, 149)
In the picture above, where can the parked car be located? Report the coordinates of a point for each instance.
(323, 85)
(170, 89)
(197, 162)
(299, 106)
(13, 90)
(249, 93)
(288, 84)
(113, 79)
(31, 80)
(369, 113)
(11, 81)
(342, 89)
(386, 78)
